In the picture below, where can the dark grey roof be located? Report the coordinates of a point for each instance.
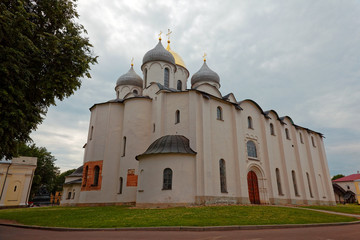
(78, 172)
(76, 181)
(158, 53)
(169, 144)
(130, 78)
(205, 74)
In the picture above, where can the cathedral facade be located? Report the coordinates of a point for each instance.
(161, 144)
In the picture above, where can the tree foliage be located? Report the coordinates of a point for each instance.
(46, 172)
(337, 176)
(60, 179)
(43, 56)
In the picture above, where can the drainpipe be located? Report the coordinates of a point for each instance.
(2, 190)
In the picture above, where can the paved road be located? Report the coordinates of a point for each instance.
(346, 232)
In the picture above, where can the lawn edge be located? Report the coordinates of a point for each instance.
(186, 228)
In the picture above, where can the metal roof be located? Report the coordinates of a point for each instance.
(78, 172)
(169, 144)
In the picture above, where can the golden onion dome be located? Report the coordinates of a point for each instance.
(178, 59)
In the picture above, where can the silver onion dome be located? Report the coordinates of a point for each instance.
(205, 74)
(158, 53)
(130, 78)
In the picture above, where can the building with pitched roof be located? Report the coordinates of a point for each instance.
(346, 189)
(159, 143)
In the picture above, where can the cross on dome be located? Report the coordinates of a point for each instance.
(168, 34)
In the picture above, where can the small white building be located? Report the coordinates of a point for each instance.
(16, 177)
(159, 143)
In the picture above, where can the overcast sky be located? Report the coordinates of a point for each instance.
(299, 58)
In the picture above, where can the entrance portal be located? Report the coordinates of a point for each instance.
(253, 188)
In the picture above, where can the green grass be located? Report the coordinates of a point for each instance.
(348, 208)
(122, 216)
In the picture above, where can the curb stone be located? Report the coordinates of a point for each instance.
(184, 228)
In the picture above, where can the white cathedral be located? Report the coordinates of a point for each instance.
(161, 144)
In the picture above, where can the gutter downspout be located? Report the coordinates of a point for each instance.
(2, 190)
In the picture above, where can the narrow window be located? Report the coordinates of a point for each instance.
(124, 146)
(91, 132)
(301, 139)
(287, 133)
(250, 123)
(166, 77)
(219, 113)
(323, 186)
(272, 132)
(96, 175)
(135, 92)
(153, 127)
(69, 195)
(167, 179)
(177, 116)
(308, 179)
(312, 141)
(73, 196)
(15, 188)
(294, 182)
(278, 181)
(121, 185)
(222, 176)
(85, 175)
(179, 85)
(145, 77)
(251, 149)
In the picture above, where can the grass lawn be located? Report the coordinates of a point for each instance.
(122, 216)
(348, 208)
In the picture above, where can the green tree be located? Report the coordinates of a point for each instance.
(43, 56)
(337, 176)
(45, 172)
(60, 179)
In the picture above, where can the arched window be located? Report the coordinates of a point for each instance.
(177, 116)
(179, 85)
(121, 185)
(73, 195)
(222, 176)
(301, 139)
(96, 175)
(219, 114)
(135, 92)
(166, 77)
(272, 132)
(251, 149)
(250, 123)
(69, 195)
(287, 133)
(312, 141)
(294, 182)
(145, 77)
(308, 179)
(124, 146)
(85, 175)
(278, 181)
(167, 179)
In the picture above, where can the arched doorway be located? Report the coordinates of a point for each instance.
(253, 188)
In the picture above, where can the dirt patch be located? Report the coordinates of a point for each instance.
(7, 221)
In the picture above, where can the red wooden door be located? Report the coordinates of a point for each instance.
(253, 188)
